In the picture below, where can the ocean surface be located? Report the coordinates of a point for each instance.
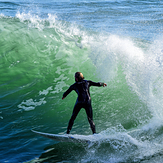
(42, 45)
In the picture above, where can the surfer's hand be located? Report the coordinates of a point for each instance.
(104, 85)
(63, 98)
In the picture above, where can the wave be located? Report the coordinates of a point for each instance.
(38, 59)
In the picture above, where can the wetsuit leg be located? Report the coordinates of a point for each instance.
(76, 110)
(88, 109)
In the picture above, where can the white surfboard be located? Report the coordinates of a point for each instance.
(69, 137)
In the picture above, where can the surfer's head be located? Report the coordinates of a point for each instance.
(78, 76)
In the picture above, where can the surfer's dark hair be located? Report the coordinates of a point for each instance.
(79, 76)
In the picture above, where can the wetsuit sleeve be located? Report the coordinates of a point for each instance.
(68, 91)
(98, 84)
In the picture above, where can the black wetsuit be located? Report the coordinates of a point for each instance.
(83, 101)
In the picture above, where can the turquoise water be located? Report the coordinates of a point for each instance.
(42, 45)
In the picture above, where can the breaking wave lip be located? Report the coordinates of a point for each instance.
(34, 21)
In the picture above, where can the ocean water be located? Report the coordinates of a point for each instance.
(42, 45)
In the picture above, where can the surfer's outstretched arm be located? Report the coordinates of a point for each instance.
(68, 91)
(98, 84)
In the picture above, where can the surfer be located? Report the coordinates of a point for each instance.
(81, 87)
